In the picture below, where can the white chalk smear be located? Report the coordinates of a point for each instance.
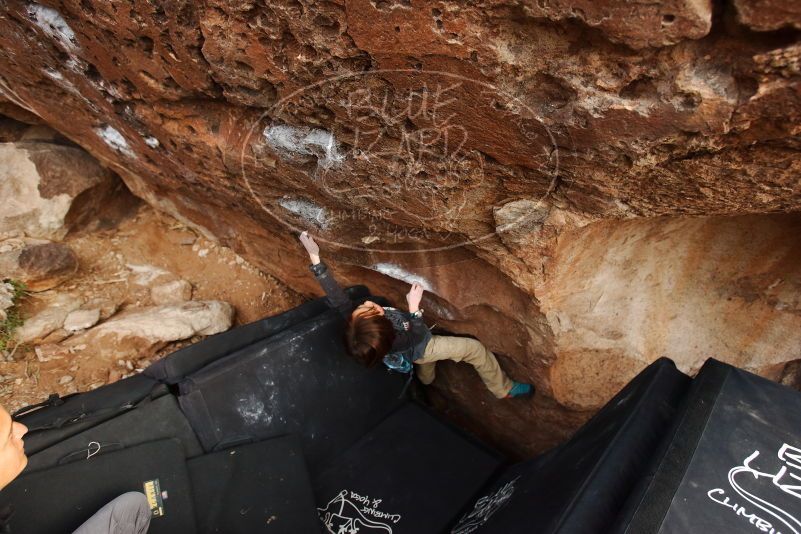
(144, 274)
(151, 141)
(53, 74)
(107, 87)
(53, 24)
(76, 65)
(114, 139)
(306, 142)
(305, 210)
(252, 411)
(399, 273)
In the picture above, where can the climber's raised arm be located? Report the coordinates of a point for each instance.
(336, 296)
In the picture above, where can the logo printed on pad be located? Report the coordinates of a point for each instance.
(155, 497)
(484, 508)
(771, 491)
(347, 514)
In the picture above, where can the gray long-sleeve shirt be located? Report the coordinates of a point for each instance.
(411, 333)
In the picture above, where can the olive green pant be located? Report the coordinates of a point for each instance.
(468, 350)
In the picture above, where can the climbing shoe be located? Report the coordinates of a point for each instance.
(520, 389)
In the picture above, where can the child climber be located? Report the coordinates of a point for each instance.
(401, 339)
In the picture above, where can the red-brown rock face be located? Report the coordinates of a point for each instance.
(765, 15)
(623, 294)
(452, 142)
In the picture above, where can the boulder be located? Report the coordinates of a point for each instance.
(40, 266)
(452, 118)
(139, 332)
(768, 15)
(6, 299)
(622, 294)
(173, 292)
(106, 306)
(50, 319)
(636, 24)
(81, 319)
(47, 189)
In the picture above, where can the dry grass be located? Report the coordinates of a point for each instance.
(13, 318)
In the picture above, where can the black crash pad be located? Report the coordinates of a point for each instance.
(60, 499)
(580, 486)
(299, 381)
(74, 414)
(733, 462)
(411, 474)
(260, 487)
(181, 363)
(153, 420)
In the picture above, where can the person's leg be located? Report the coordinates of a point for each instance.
(127, 514)
(468, 350)
(426, 372)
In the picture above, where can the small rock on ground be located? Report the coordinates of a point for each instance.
(40, 266)
(81, 320)
(140, 331)
(173, 292)
(50, 319)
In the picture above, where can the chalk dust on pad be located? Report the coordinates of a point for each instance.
(252, 410)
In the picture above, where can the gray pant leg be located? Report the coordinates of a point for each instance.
(127, 514)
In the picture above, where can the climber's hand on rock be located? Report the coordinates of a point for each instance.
(311, 247)
(414, 296)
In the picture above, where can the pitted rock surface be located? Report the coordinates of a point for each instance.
(408, 134)
(766, 15)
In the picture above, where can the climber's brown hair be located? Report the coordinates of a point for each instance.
(369, 337)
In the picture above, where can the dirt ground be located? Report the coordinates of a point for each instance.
(115, 268)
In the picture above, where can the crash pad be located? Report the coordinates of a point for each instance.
(580, 486)
(156, 419)
(413, 473)
(300, 381)
(732, 462)
(61, 498)
(259, 487)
